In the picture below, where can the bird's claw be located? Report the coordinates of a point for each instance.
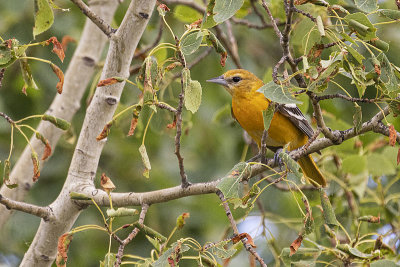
(277, 159)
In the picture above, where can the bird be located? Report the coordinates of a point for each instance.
(288, 125)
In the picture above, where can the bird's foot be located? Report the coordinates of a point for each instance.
(278, 159)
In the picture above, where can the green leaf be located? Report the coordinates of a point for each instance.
(154, 241)
(355, 54)
(193, 96)
(291, 164)
(5, 55)
(191, 42)
(225, 9)
(229, 184)
(354, 252)
(384, 263)
(357, 118)
(29, 83)
(174, 253)
(379, 165)
(354, 164)
(78, 196)
(59, 123)
(219, 48)
(121, 212)
(390, 13)
(367, 6)
(186, 14)
(208, 18)
(320, 26)
(277, 93)
(145, 160)
(360, 23)
(387, 73)
(303, 256)
(267, 115)
(328, 212)
(109, 260)
(305, 35)
(44, 17)
(221, 252)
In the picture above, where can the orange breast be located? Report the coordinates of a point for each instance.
(247, 109)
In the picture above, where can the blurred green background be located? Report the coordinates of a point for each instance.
(211, 144)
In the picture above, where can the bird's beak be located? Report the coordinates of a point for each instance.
(219, 80)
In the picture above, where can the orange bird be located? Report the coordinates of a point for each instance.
(288, 125)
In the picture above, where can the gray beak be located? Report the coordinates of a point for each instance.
(219, 80)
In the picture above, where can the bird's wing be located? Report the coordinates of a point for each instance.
(294, 114)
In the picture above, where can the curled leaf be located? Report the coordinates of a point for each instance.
(180, 222)
(145, 160)
(66, 40)
(106, 183)
(121, 212)
(370, 219)
(57, 48)
(110, 81)
(392, 135)
(59, 123)
(6, 175)
(62, 249)
(398, 156)
(36, 170)
(134, 121)
(295, 245)
(60, 76)
(241, 236)
(105, 132)
(45, 142)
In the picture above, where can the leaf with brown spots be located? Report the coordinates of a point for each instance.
(62, 249)
(60, 76)
(398, 156)
(224, 56)
(239, 237)
(295, 245)
(66, 40)
(47, 149)
(172, 125)
(106, 183)
(57, 48)
(105, 132)
(110, 81)
(36, 170)
(392, 135)
(370, 219)
(134, 122)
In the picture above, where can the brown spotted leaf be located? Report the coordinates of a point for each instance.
(105, 132)
(66, 40)
(370, 219)
(45, 142)
(172, 125)
(57, 48)
(6, 175)
(224, 56)
(110, 81)
(295, 245)
(60, 76)
(36, 170)
(134, 122)
(62, 249)
(398, 156)
(106, 183)
(392, 135)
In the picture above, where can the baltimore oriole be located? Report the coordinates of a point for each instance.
(288, 125)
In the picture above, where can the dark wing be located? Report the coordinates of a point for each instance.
(294, 114)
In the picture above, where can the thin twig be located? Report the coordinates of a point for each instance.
(246, 244)
(131, 236)
(308, 15)
(348, 98)
(263, 149)
(274, 25)
(195, 61)
(226, 43)
(43, 212)
(9, 120)
(166, 107)
(232, 43)
(103, 26)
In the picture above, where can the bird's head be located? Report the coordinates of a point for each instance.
(238, 81)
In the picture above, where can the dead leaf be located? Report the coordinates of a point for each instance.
(239, 237)
(134, 122)
(392, 135)
(105, 132)
(164, 7)
(62, 249)
(36, 170)
(60, 76)
(171, 125)
(180, 222)
(109, 81)
(106, 183)
(398, 157)
(295, 245)
(66, 40)
(224, 56)
(57, 48)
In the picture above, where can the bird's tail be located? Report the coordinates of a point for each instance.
(311, 171)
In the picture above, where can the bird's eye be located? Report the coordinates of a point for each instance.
(236, 79)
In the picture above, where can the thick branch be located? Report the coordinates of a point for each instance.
(104, 26)
(77, 77)
(43, 212)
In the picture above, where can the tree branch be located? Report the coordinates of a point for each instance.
(43, 212)
(101, 24)
(77, 76)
